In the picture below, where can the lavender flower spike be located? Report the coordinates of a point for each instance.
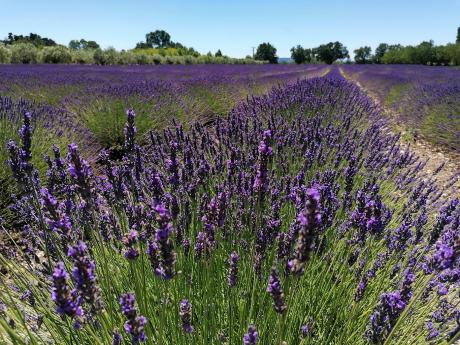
(309, 220)
(233, 269)
(66, 301)
(135, 323)
(250, 338)
(185, 312)
(274, 288)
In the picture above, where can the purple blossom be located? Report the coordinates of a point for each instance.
(185, 313)
(274, 288)
(135, 323)
(309, 220)
(250, 338)
(233, 269)
(67, 302)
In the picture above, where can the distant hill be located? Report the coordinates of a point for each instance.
(285, 60)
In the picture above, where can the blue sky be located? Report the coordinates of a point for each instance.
(235, 26)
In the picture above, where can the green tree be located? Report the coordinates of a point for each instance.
(363, 55)
(331, 52)
(158, 39)
(32, 38)
(142, 45)
(218, 53)
(298, 54)
(266, 52)
(380, 52)
(74, 44)
(458, 36)
(83, 44)
(423, 54)
(91, 45)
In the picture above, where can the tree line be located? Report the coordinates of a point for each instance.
(425, 53)
(158, 48)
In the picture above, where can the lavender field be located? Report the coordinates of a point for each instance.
(425, 101)
(228, 204)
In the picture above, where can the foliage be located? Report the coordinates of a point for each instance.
(24, 53)
(83, 44)
(5, 54)
(266, 52)
(55, 54)
(380, 52)
(32, 38)
(301, 55)
(158, 39)
(363, 55)
(331, 52)
(85, 57)
(425, 53)
(218, 53)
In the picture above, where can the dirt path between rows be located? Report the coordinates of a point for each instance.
(434, 155)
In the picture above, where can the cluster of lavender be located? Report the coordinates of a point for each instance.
(300, 188)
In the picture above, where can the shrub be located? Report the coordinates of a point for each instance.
(5, 54)
(158, 59)
(111, 56)
(170, 60)
(126, 58)
(99, 57)
(56, 54)
(83, 57)
(24, 53)
(142, 59)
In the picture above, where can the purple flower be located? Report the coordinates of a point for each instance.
(384, 316)
(265, 153)
(117, 339)
(83, 274)
(135, 323)
(233, 269)
(81, 174)
(250, 338)
(309, 220)
(129, 240)
(306, 329)
(274, 288)
(185, 313)
(67, 301)
(167, 254)
(130, 131)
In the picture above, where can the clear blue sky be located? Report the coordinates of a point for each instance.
(235, 26)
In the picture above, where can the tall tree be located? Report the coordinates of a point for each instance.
(158, 38)
(380, 52)
(83, 44)
(298, 54)
(363, 55)
(331, 52)
(218, 53)
(266, 52)
(458, 36)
